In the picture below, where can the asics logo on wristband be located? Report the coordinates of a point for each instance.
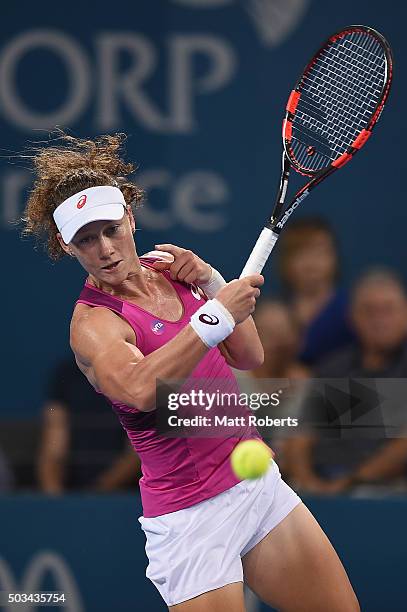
(212, 322)
(208, 319)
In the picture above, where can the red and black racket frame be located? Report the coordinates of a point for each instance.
(275, 223)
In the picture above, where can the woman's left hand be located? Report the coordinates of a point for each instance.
(182, 264)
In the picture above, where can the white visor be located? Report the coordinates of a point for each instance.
(103, 203)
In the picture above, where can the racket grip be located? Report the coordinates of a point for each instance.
(260, 252)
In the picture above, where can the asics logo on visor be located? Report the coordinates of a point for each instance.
(208, 319)
(82, 201)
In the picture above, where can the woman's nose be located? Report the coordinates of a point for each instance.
(106, 247)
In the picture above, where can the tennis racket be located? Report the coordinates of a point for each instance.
(330, 115)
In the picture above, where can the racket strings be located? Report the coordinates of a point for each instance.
(338, 97)
(345, 114)
(341, 99)
(336, 73)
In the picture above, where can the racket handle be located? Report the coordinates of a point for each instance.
(260, 252)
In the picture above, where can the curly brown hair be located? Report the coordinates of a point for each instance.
(73, 164)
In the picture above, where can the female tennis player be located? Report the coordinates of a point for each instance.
(141, 319)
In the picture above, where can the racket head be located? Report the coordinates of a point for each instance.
(337, 100)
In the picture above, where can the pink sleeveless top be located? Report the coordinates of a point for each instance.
(177, 472)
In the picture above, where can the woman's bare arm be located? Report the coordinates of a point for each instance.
(105, 350)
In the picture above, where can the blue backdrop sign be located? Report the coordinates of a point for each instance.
(91, 549)
(200, 87)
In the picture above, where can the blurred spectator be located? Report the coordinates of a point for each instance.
(309, 268)
(279, 334)
(83, 446)
(379, 318)
(6, 476)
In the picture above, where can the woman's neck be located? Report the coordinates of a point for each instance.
(374, 359)
(315, 292)
(137, 283)
(309, 302)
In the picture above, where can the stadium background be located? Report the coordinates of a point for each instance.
(199, 86)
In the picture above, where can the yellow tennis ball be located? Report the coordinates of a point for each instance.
(250, 459)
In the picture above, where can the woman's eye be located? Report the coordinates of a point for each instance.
(85, 240)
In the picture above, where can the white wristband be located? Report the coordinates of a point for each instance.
(212, 322)
(212, 286)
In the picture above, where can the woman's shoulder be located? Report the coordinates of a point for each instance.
(85, 315)
(90, 324)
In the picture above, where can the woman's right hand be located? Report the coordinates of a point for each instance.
(239, 296)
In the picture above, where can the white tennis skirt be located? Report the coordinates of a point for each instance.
(200, 548)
